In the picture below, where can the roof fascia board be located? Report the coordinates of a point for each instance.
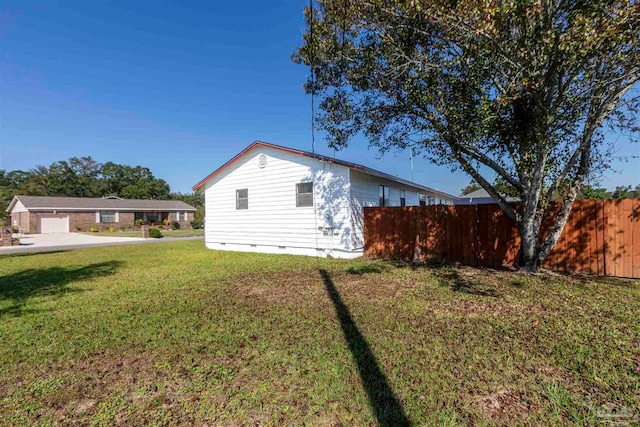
(112, 209)
(13, 202)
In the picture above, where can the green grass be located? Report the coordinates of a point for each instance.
(187, 232)
(177, 334)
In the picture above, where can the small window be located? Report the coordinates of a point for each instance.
(403, 199)
(432, 200)
(304, 194)
(383, 194)
(107, 216)
(242, 199)
(423, 199)
(182, 216)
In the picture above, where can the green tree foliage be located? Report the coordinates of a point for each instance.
(587, 192)
(473, 186)
(85, 177)
(627, 192)
(521, 89)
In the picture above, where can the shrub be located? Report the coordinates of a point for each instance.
(155, 233)
(175, 225)
(122, 228)
(196, 224)
(111, 229)
(15, 229)
(139, 222)
(93, 230)
(76, 228)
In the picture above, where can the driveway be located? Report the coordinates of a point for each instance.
(64, 241)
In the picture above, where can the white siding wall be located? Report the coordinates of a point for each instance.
(365, 193)
(273, 223)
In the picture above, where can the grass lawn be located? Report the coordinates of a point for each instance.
(187, 232)
(177, 334)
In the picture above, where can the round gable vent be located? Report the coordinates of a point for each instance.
(262, 160)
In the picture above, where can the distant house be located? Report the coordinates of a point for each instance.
(44, 214)
(480, 197)
(275, 199)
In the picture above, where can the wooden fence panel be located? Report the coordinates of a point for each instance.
(635, 227)
(600, 237)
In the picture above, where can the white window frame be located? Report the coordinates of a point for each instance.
(101, 221)
(403, 198)
(298, 193)
(241, 199)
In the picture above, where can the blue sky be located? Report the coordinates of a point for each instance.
(179, 89)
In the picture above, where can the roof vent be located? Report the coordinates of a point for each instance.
(262, 161)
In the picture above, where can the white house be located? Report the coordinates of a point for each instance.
(275, 199)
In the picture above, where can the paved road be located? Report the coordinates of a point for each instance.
(70, 246)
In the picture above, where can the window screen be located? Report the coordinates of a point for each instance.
(242, 199)
(304, 194)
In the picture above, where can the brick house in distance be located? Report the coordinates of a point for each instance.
(45, 214)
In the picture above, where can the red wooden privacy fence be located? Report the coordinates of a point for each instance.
(601, 236)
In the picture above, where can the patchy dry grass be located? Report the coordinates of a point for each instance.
(176, 334)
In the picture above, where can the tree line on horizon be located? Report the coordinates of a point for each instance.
(587, 192)
(85, 177)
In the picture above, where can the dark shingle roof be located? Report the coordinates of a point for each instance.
(79, 203)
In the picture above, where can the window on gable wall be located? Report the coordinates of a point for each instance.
(242, 199)
(304, 194)
(383, 194)
(403, 200)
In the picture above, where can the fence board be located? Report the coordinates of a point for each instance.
(635, 246)
(600, 237)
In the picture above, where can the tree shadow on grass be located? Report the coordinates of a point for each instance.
(18, 288)
(26, 254)
(383, 401)
(467, 285)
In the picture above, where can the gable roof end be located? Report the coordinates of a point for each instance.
(353, 166)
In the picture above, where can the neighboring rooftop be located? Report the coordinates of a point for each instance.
(481, 196)
(88, 203)
(354, 166)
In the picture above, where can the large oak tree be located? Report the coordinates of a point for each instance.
(521, 89)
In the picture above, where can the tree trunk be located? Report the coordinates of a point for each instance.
(529, 246)
(533, 252)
